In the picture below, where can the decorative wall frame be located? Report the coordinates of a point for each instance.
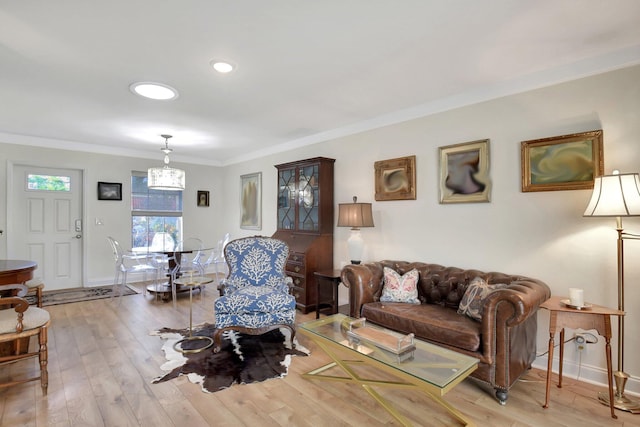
(567, 162)
(395, 179)
(203, 199)
(464, 172)
(251, 201)
(109, 191)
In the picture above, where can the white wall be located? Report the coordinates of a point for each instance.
(540, 234)
(115, 215)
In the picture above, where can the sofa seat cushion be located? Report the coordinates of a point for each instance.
(429, 322)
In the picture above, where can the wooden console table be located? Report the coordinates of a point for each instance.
(595, 317)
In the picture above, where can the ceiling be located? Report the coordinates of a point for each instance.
(306, 71)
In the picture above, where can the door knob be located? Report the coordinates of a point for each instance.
(78, 236)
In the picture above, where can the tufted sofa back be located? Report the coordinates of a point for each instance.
(442, 285)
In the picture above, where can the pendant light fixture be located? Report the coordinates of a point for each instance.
(165, 178)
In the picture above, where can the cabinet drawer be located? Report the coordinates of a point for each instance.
(295, 268)
(298, 281)
(300, 294)
(296, 257)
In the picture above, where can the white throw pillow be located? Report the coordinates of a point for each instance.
(399, 288)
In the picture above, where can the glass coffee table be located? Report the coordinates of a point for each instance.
(427, 367)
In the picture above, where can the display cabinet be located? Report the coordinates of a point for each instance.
(305, 221)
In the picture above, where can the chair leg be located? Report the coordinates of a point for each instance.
(217, 334)
(119, 287)
(43, 358)
(174, 293)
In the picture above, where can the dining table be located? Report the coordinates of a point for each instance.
(174, 257)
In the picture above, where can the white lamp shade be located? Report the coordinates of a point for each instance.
(615, 195)
(166, 178)
(355, 215)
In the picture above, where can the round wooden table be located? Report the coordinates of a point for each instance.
(16, 271)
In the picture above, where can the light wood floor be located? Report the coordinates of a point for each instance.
(102, 360)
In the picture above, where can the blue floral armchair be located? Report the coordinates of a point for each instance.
(256, 294)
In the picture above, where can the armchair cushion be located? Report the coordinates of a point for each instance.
(255, 307)
(34, 317)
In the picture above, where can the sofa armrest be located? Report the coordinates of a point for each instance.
(365, 285)
(509, 307)
(525, 296)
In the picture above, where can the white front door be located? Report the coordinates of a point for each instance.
(46, 218)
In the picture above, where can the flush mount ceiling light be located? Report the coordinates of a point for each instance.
(165, 177)
(223, 67)
(154, 90)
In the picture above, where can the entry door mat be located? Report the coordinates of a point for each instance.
(65, 296)
(243, 358)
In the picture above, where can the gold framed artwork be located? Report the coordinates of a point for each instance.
(567, 162)
(203, 199)
(395, 179)
(464, 172)
(251, 201)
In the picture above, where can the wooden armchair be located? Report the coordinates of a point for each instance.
(18, 323)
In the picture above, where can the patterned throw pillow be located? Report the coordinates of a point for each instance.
(399, 288)
(473, 299)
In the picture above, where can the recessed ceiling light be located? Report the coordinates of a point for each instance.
(222, 66)
(154, 90)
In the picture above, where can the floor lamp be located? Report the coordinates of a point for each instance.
(616, 196)
(355, 215)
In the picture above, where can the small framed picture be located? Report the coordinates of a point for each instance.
(109, 191)
(203, 199)
(567, 162)
(251, 201)
(395, 179)
(464, 172)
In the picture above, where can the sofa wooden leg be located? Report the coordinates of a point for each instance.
(502, 396)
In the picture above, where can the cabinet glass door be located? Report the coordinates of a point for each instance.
(308, 198)
(286, 199)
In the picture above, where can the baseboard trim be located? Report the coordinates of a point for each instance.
(587, 373)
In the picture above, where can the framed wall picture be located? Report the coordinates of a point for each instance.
(464, 172)
(109, 191)
(203, 199)
(568, 162)
(251, 201)
(395, 179)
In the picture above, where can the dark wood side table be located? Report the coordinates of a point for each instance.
(595, 317)
(327, 277)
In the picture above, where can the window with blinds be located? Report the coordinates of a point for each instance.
(156, 216)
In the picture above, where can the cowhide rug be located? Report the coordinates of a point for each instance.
(242, 359)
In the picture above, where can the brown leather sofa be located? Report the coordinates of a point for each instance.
(504, 340)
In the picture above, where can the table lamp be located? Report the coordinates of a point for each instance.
(618, 195)
(355, 215)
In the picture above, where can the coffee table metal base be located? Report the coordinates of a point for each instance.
(405, 381)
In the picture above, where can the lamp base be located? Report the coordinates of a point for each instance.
(620, 402)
